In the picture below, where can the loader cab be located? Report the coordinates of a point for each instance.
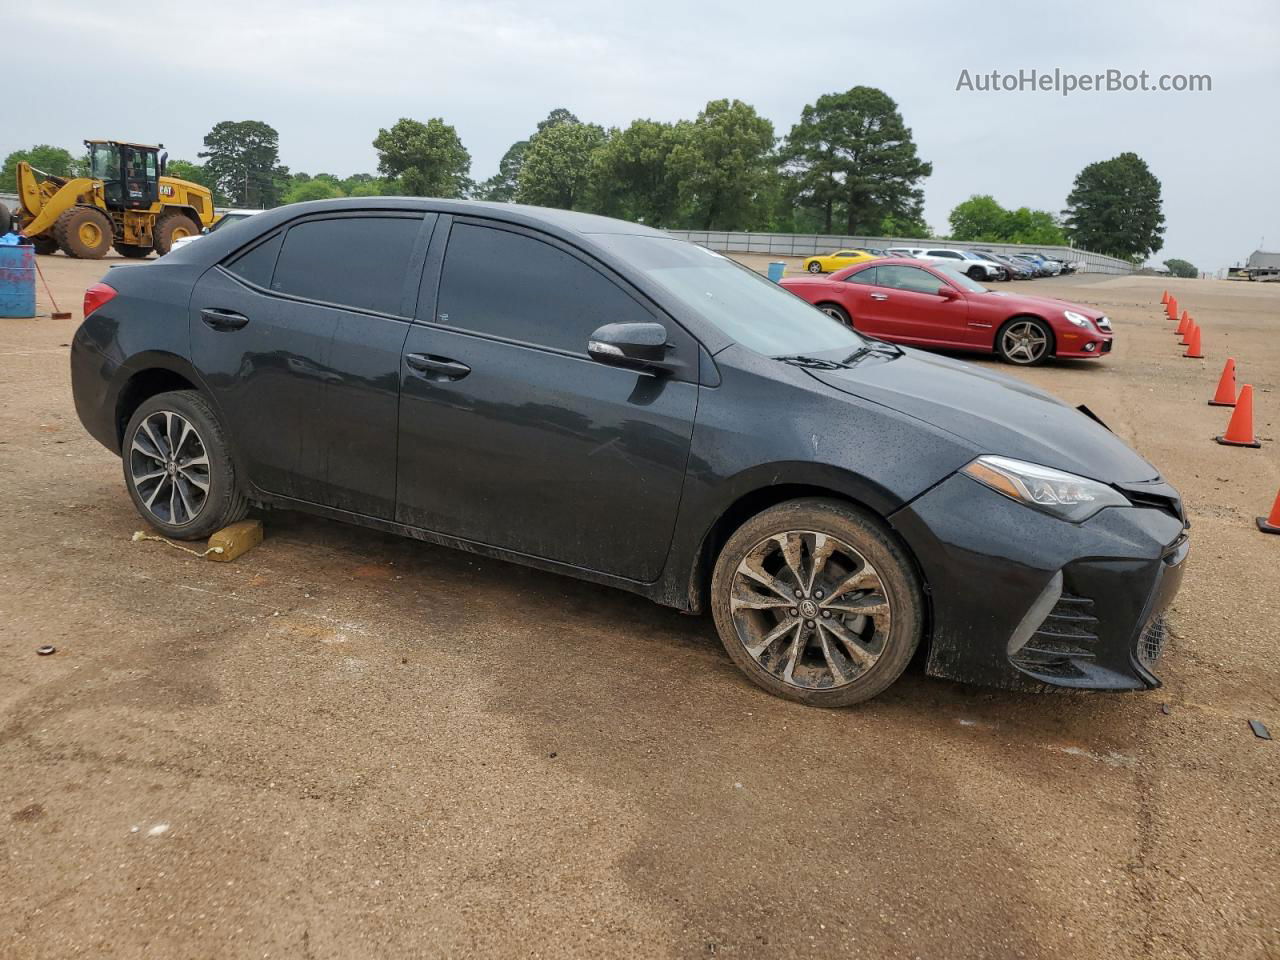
(130, 173)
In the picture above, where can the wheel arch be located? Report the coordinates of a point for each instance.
(1026, 315)
(774, 486)
(147, 375)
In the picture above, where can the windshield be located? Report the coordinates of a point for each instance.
(104, 163)
(227, 218)
(958, 279)
(753, 311)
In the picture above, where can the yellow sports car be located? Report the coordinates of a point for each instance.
(837, 261)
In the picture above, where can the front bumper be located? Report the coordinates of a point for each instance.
(1079, 343)
(1023, 600)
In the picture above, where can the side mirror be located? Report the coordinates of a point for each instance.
(641, 346)
(947, 292)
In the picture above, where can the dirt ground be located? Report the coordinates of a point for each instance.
(351, 745)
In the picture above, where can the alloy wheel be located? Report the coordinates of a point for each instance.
(815, 267)
(1024, 342)
(810, 609)
(169, 467)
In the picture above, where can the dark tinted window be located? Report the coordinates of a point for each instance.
(353, 261)
(510, 285)
(255, 265)
(907, 278)
(863, 276)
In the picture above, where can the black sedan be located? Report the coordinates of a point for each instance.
(596, 398)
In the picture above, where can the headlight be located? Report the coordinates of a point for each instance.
(1079, 319)
(1064, 495)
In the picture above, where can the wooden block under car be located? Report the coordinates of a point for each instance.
(236, 540)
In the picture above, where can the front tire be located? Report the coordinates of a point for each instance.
(816, 602)
(84, 233)
(45, 245)
(813, 266)
(1025, 341)
(178, 468)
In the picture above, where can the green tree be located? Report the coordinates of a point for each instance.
(314, 189)
(54, 160)
(911, 226)
(504, 184)
(1182, 268)
(428, 158)
(557, 166)
(852, 150)
(978, 218)
(723, 166)
(242, 161)
(375, 187)
(633, 176)
(1115, 208)
(1038, 227)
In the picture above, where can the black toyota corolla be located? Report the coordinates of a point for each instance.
(596, 398)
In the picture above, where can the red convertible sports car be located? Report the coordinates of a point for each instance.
(930, 305)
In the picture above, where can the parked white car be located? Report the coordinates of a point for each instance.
(970, 264)
(230, 216)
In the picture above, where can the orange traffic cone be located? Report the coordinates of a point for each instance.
(1183, 326)
(1185, 315)
(1164, 298)
(1171, 308)
(1193, 348)
(1240, 428)
(1186, 334)
(1226, 395)
(1271, 524)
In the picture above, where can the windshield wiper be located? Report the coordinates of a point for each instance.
(812, 362)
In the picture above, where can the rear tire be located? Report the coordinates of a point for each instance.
(836, 311)
(6, 220)
(178, 468)
(45, 245)
(170, 227)
(814, 563)
(132, 251)
(84, 233)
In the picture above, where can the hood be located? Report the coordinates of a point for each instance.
(995, 413)
(1049, 303)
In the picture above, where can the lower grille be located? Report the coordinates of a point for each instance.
(1151, 642)
(1068, 633)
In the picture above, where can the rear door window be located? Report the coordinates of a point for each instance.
(258, 263)
(867, 276)
(358, 261)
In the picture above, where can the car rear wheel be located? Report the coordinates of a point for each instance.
(816, 602)
(836, 311)
(814, 267)
(177, 467)
(1026, 341)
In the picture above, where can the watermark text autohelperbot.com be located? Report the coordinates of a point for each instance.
(1066, 83)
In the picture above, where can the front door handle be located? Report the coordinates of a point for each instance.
(223, 319)
(436, 368)
(879, 296)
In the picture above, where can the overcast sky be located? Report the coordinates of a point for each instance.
(328, 73)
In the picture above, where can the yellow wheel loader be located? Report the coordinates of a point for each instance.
(126, 202)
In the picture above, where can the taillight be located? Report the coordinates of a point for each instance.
(96, 296)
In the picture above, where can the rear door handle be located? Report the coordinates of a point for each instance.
(879, 296)
(436, 368)
(223, 319)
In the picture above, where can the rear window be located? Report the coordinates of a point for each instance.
(257, 264)
(349, 261)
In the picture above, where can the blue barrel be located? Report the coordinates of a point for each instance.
(776, 269)
(17, 281)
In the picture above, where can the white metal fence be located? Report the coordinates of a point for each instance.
(808, 244)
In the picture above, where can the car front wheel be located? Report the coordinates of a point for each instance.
(816, 602)
(177, 467)
(1026, 341)
(814, 267)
